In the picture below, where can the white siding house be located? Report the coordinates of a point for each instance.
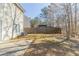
(11, 20)
(27, 23)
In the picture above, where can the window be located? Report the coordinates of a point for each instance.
(0, 29)
(17, 28)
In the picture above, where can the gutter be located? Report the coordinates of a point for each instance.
(20, 7)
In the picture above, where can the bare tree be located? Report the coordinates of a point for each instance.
(75, 18)
(63, 14)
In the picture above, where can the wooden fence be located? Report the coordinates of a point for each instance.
(43, 30)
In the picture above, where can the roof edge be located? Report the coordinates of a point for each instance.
(20, 7)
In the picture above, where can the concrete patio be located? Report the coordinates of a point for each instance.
(16, 48)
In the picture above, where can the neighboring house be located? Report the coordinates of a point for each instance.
(27, 23)
(11, 20)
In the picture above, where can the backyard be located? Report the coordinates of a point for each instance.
(40, 45)
(44, 45)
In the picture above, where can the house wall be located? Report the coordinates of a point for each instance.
(27, 23)
(8, 14)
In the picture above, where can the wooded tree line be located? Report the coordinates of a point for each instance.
(63, 15)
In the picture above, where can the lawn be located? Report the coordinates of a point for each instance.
(43, 45)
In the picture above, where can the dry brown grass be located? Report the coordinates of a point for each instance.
(43, 46)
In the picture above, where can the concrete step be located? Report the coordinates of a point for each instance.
(13, 49)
